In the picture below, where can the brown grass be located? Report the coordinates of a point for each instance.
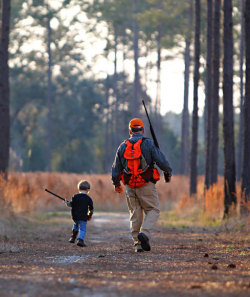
(214, 200)
(210, 201)
(5, 205)
(24, 193)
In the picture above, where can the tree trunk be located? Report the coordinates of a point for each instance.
(115, 92)
(158, 87)
(108, 149)
(49, 96)
(123, 91)
(228, 115)
(135, 108)
(214, 140)
(240, 134)
(4, 88)
(194, 148)
(184, 161)
(246, 145)
(208, 92)
(146, 68)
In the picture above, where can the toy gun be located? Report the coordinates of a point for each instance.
(89, 216)
(65, 200)
(165, 174)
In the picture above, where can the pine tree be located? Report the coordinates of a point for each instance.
(4, 88)
(214, 140)
(136, 56)
(228, 115)
(193, 163)
(240, 135)
(208, 92)
(185, 149)
(246, 147)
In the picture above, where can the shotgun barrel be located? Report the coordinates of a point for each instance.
(165, 174)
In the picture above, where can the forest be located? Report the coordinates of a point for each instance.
(73, 73)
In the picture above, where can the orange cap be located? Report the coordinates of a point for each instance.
(136, 124)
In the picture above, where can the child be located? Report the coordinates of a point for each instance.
(81, 211)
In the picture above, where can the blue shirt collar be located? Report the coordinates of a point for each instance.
(136, 136)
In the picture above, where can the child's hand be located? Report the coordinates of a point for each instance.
(68, 203)
(89, 216)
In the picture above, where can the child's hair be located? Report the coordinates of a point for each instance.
(83, 185)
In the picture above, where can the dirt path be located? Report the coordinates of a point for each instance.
(183, 262)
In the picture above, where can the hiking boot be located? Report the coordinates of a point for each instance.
(80, 242)
(73, 237)
(144, 241)
(138, 248)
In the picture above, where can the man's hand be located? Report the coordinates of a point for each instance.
(167, 177)
(119, 189)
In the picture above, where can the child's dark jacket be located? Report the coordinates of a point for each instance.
(81, 204)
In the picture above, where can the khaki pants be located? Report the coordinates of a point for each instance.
(143, 201)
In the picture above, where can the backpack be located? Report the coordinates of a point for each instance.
(137, 172)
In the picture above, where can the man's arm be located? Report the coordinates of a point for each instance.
(117, 169)
(161, 161)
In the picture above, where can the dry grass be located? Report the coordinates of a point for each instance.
(6, 208)
(24, 193)
(210, 201)
(214, 200)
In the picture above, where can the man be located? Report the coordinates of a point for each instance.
(134, 165)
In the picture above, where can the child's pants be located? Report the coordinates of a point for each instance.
(82, 226)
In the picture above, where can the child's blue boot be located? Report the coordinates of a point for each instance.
(80, 242)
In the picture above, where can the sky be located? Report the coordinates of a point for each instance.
(172, 79)
(172, 87)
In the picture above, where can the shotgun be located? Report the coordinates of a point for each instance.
(165, 174)
(65, 200)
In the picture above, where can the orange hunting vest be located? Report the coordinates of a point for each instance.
(137, 173)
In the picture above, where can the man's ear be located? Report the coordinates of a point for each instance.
(130, 132)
